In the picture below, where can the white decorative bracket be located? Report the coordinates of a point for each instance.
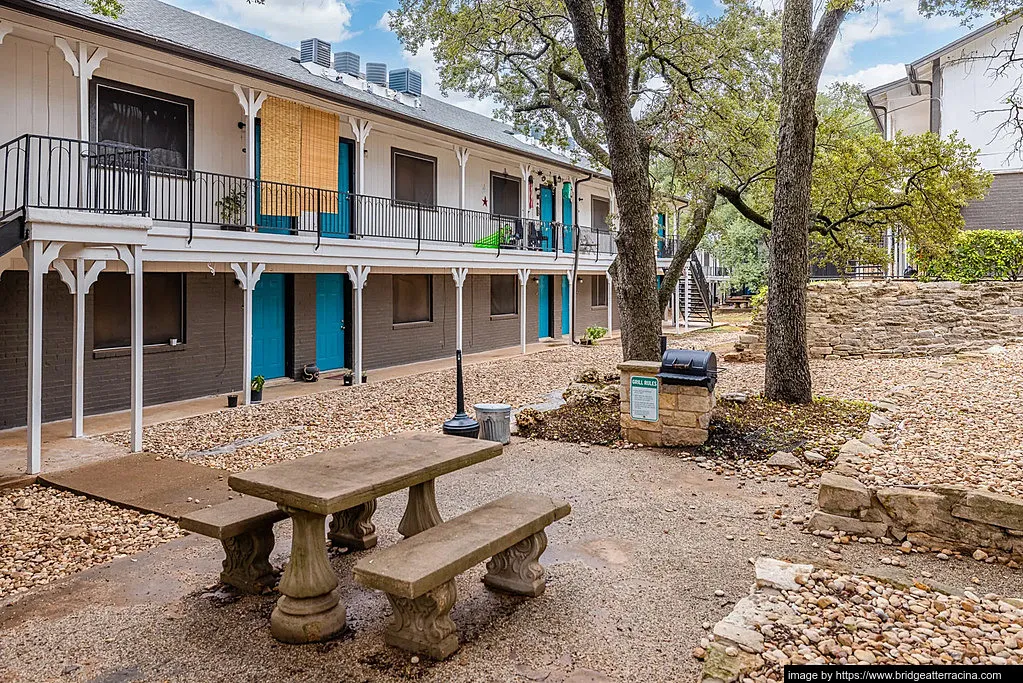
(358, 275)
(250, 100)
(83, 65)
(459, 274)
(248, 277)
(524, 276)
(5, 28)
(124, 253)
(360, 129)
(462, 155)
(69, 279)
(50, 253)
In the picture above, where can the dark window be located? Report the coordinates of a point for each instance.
(504, 299)
(598, 292)
(599, 209)
(142, 118)
(415, 178)
(504, 195)
(413, 298)
(163, 317)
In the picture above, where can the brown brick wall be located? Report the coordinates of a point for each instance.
(1001, 209)
(386, 344)
(300, 345)
(208, 362)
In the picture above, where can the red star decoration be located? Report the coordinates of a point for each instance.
(484, 201)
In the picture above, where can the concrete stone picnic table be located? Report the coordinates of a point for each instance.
(346, 482)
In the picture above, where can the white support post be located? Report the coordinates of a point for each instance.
(676, 299)
(78, 282)
(135, 271)
(251, 102)
(83, 66)
(526, 170)
(571, 306)
(610, 309)
(687, 294)
(459, 275)
(248, 278)
(38, 257)
(523, 281)
(358, 276)
(360, 129)
(462, 155)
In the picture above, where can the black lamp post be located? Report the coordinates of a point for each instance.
(461, 424)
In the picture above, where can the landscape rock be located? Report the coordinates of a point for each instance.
(784, 460)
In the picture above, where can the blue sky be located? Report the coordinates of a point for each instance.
(872, 47)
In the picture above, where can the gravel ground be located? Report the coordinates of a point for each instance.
(838, 618)
(248, 437)
(654, 548)
(49, 534)
(958, 422)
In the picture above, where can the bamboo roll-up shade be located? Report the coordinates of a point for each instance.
(320, 133)
(299, 146)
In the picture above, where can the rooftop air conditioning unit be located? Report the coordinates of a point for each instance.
(316, 51)
(376, 73)
(406, 81)
(347, 63)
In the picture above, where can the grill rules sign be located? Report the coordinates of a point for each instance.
(643, 398)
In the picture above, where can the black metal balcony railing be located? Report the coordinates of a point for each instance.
(51, 172)
(38, 171)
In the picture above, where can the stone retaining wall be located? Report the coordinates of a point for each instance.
(858, 319)
(933, 516)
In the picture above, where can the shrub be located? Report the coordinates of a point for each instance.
(978, 255)
(758, 300)
(595, 333)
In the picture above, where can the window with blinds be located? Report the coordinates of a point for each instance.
(504, 195)
(142, 118)
(412, 298)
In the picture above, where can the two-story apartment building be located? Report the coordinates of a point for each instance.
(963, 87)
(185, 206)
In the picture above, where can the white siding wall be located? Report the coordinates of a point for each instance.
(969, 88)
(38, 93)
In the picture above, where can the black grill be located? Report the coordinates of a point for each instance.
(685, 366)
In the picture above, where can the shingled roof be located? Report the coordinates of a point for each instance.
(162, 26)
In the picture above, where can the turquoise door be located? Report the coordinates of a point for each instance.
(268, 326)
(339, 224)
(566, 216)
(661, 234)
(275, 200)
(330, 321)
(544, 306)
(546, 218)
(565, 294)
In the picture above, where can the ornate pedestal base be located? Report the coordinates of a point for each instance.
(353, 529)
(421, 513)
(247, 560)
(310, 608)
(518, 570)
(422, 625)
(308, 620)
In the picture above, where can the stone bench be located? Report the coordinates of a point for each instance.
(417, 574)
(246, 528)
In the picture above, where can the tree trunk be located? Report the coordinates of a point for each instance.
(804, 50)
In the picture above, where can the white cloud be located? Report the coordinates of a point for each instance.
(384, 22)
(286, 21)
(870, 77)
(423, 62)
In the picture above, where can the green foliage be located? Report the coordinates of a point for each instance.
(106, 8)
(977, 255)
(741, 247)
(595, 333)
(758, 301)
(257, 383)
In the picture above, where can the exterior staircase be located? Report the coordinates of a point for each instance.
(696, 300)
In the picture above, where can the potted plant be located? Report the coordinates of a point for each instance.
(232, 207)
(232, 400)
(592, 335)
(256, 395)
(346, 374)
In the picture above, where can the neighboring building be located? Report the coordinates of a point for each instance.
(283, 214)
(956, 89)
